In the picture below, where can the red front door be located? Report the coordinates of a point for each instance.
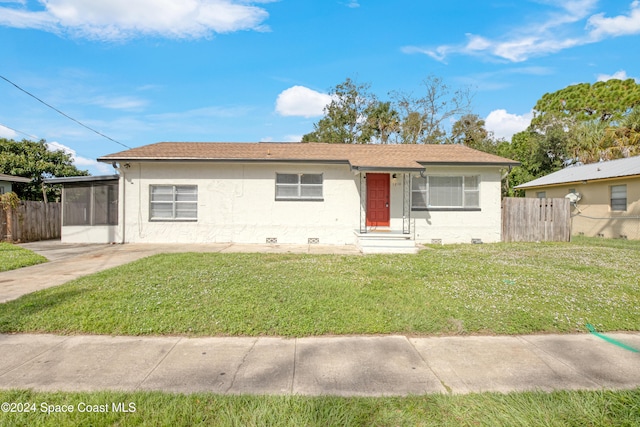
(378, 199)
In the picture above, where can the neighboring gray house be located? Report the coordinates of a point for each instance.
(6, 182)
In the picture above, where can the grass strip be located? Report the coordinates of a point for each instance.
(562, 408)
(12, 257)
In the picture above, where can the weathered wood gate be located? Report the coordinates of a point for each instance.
(30, 221)
(527, 219)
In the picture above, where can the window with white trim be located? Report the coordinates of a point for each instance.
(445, 192)
(173, 202)
(541, 194)
(299, 186)
(618, 197)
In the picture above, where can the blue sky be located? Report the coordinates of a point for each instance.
(144, 71)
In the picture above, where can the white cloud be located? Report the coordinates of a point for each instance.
(129, 103)
(504, 125)
(123, 19)
(622, 25)
(286, 138)
(292, 138)
(5, 132)
(353, 4)
(202, 113)
(551, 34)
(620, 75)
(301, 101)
(79, 161)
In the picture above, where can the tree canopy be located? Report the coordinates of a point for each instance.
(581, 123)
(34, 160)
(355, 116)
(345, 118)
(424, 114)
(607, 101)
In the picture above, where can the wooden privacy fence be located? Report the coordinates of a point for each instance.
(30, 221)
(536, 220)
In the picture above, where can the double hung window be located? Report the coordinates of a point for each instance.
(299, 186)
(445, 192)
(618, 197)
(174, 202)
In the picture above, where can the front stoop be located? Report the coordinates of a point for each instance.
(386, 243)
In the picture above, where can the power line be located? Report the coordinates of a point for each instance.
(19, 131)
(62, 113)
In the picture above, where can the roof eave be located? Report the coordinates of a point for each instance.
(578, 181)
(216, 160)
(74, 179)
(387, 169)
(16, 179)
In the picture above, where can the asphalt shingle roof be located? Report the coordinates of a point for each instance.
(392, 156)
(593, 171)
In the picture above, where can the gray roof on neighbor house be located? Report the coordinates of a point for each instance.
(12, 178)
(595, 171)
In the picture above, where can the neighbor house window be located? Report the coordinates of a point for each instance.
(299, 186)
(445, 192)
(90, 204)
(541, 194)
(618, 197)
(174, 202)
(1, 189)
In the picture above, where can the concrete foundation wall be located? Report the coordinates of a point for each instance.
(91, 234)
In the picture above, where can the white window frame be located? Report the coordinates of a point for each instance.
(299, 187)
(174, 202)
(468, 193)
(615, 203)
(541, 194)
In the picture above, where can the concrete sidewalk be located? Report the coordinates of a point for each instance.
(344, 366)
(70, 261)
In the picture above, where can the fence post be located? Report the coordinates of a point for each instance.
(9, 235)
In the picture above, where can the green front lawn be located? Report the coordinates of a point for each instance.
(456, 289)
(12, 257)
(565, 408)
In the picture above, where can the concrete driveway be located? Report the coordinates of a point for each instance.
(70, 261)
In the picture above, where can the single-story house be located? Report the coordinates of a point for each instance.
(293, 193)
(6, 182)
(605, 196)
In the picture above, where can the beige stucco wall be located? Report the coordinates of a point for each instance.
(593, 216)
(236, 203)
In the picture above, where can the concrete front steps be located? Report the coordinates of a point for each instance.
(376, 242)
